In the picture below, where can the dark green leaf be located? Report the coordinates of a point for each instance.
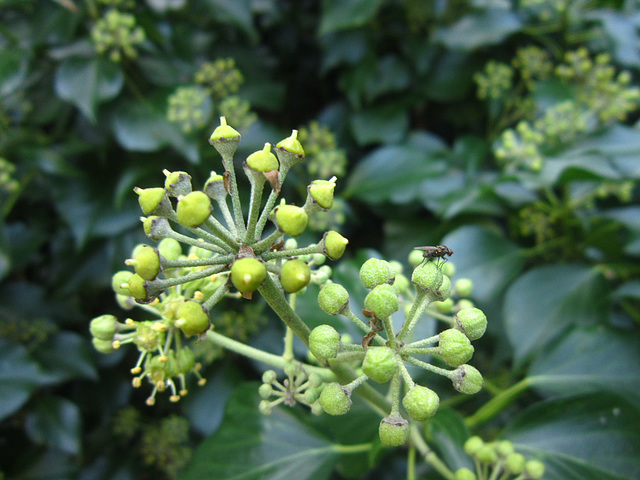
(547, 300)
(380, 124)
(67, 355)
(13, 69)
(55, 422)
(586, 437)
(487, 258)
(86, 82)
(480, 29)
(448, 432)
(590, 360)
(250, 445)
(341, 15)
(233, 12)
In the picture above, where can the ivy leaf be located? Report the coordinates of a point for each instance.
(250, 445)
(480, 29)
(233, 12)
(67, 355)
(340, 15)
(87, 82)
(55, 422)
(380, 124)
(13, 69)
(547, 300)
(448, 432)
(584, 437)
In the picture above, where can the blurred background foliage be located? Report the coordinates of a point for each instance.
(505, 130)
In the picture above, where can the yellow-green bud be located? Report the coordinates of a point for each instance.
(153, 200)
(265, 390)
(454, 347)
(192, 318)
(247, 274)
(224, 132)
(335, 400)
(170, 249)
(514, 463)
(102, 346)
(214, 187)
(194, 209)
(104, 327)
(269, 376)
(443, 292)
(334, 244)
(291, 220)
(263, 160)
(472, 445)
(291, 144)
(375, 272)
(137, 288)
(177, 183)
(394, 431)
(119, 282)
(333, 298)
(295, 275)
(427, 276)
(464, 287)
(380, 364)
(265, 407)
(534, 469)
(465, 474)
(472, 322)
(156, 228)
(185, 360)
(504, 448)
(421, 403)
(487, 454)
(324, 342)
(445, 306)
(322, 192)
(467, 379)
(145, 261)
(382, 301)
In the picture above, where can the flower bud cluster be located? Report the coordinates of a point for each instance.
(189, 107)
(495, 81)
(117, 35)
(297, 387)
(324, 159)
(220, 77)
(8, 184)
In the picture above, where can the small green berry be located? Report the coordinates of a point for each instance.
(375, 272)
(534, 469)
(322, 192)
(467, 379)
(465, 474)
(104, 327)
(185, 360)
(119, 282)
(472, 445)
(443, 292)
(445, 306)
(295, 275)
(291, 144)
(394, 431)
(382, 301)
(177, 183)
(137, 288)
(427, 276)
(265, 390)
(291, 220)
(380, 364)
(193, 209)
(247, 274)
(334, 244)
(514, 463)
(263, 160)
(153, 201)
(223, 133)
(335, 400)
(192, 318)
(265, 407)
(156, 228)
(269, 376)
(421, 403)
(454, 347)
(170, 249)
(324, 342)
(145, 261)
(464, 287)
(487, 454)
(103, 346)
(472, 322)
(333, 298)
(504, 448)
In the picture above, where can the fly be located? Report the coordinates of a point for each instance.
(439, 251)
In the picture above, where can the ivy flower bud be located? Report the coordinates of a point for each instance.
(153, 201)
(454, 347)
(322, 192)
(393, 431)
(156, 228)
(467, 379)
(333, 298)
(145, 261)
(194, 209)
(427, 276)
(137, 288)
(170, 249)
(102, 346)
(380, 364)
(177, 183)
(324, 342)
(265, 390)
(464, 474)
(119, 282)
(225, 139)
(382, 301)
(214, 187)
(247, 274)
(291, 144)
(421, 403)
(335, 400)
(334, 244)
(185, 360)
(192, 318)
(464, 287)
(472, 445)
(504, 448)
(375, 272)
(472, 322)
(443, 292)
(263, 160)
(514, 463)
(487, 454)
(295, 275)
(291, 220)
(534, 469)
(104, 327)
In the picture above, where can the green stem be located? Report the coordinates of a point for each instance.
(257, 187)
(220, 231)
(351, 449)
(226, 213)
(419, 305)
(194, 243)
(429, 455)
(498, 403)
(240, 348)
(264, 244)
(278, 303)
(171, 282)
(200, 262)
(291, 253)
(411, 463)
(227, 161)
(216, 297)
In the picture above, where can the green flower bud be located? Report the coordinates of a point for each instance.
(102, 346)
(104, 327)
(443, 292)
(263, 160)
(382, 301)
(415, 258)
(380, 364)
(145, 261)
(472, 322)
(394, 431)
(147, 338)
(454, 347)
(324, 342)
(310, 396)
(472, 445)
(427, 276)
(534, 469)
(265, 390)
(464, 287)
(487, 454)
(335, 400)
(156, 228)
(375, 272)
(514, 463)
(291, 220)
(153, 201)
(185, 360)
(467, 380)
(445, 306)
(291, 145)
(225, 139)
(333, 298)
(464, 474)
(334, 244)
(421, 403)
(137, 288)
(295, 275)
(214, 187)
(247, 274)
(504, 448)
(177, 183)
(269, 376)
(192, 318)
(119, 282)
(265, 407)
(448, 269)
(170, 249)
(322, 192)
(401, 283)
(193, 209)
